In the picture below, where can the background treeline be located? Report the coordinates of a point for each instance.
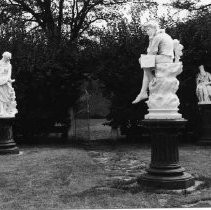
(56, 46)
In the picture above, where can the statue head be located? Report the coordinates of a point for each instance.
(7, 56)
(151, 28)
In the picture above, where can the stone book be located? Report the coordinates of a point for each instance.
(147, 61)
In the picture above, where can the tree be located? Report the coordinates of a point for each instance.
(190, 5)
(194, 32)
(59, 18)
(45, 87)
(116, 66)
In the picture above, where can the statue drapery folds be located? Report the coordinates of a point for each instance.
(7, 93)
(161, 65)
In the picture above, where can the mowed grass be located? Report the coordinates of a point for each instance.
(46, 178)
(95, 127)
(63, 177)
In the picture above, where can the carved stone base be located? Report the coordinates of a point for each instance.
(205, 124)
(163, 114)
(7, 144)
(165, 171)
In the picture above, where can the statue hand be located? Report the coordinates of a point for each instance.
(11, 80)
(139, 60)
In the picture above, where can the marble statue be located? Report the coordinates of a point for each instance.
(203, 89)
(7, 93)
(161, 65)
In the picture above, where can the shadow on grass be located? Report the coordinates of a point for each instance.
(133, 187)
(206, 182)
(99, 144)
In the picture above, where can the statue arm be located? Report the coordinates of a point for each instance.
(153, 49)
(207, 80)
(207, 83)
(10, 74)
(209, 77)
(199, 80)
(5, 78)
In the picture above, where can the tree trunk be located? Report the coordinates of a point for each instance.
(114, 133)
(209, 41)
(72, 131)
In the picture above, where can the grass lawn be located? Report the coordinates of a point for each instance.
(97, 129)
(64, 177)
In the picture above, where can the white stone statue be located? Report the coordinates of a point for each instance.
(161, 65)
(7, 93)
(203, 89)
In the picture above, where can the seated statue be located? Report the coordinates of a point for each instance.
(7, 93)
(161, 65)
(160, 44)
(203, 89)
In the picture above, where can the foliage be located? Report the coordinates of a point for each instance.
(43, 38)
(117, 65)
(190, 5)
(194, 33)
(61, 19)
(119, 70)
(55, 46)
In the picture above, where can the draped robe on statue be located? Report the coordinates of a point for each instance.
(7, 93)
(203, 89)
(165, 52)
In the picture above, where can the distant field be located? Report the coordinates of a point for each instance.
(97, 129)
(94, 123)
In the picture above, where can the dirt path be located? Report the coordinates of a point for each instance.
(97, 129)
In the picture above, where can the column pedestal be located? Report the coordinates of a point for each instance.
(165, 171)
(205, 124)
(7, 143)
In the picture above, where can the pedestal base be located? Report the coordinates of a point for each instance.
(205, 131)
(167, 182)
(7, 144)
(163, 114)
(165, 171)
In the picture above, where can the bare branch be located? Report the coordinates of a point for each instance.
(26, 8)
(88, 25)
(77, 9)
(32, 29)
(187, 5)
(203, 7)
(60, 18)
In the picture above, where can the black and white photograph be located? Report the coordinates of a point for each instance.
(105, 104)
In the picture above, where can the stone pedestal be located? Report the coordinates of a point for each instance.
(205, 124)
(7, 144)
(165, 171)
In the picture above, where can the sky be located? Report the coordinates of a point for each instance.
(163, 11)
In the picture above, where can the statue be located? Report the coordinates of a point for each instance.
(7, 93)
(203, 89)
(161, 65)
